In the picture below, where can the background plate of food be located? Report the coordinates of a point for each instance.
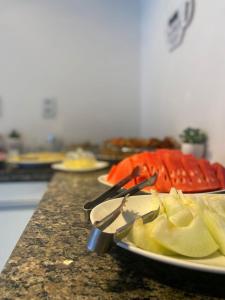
(36, 158)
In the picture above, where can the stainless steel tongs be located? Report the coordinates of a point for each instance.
(114, 191)
(100, 241)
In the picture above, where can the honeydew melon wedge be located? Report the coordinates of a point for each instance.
(136, 234)
(176, 211)
(171, 205)
(218, 205)
(193, 240)
(216, 226)
(192, 202)
(156, 202)
(140, 235)
(182, 218)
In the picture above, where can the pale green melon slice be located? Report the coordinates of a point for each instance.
(216, 225)
(136, 234)
(151, 244)
(140, 235)
(176, 211)
(182, 218)
(156, 202)
(192, 202)
(193, 240)
(218, 205)
(171, 205)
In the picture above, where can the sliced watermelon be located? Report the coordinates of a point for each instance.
(141, 159)
(220, 174)
(118, 172)
(209, 174)
(195, 173)
(174, 169)
(112, 174)
(178, 176)
(156, 165)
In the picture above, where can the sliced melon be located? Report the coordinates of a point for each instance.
(192, 203)
(218, 205)
(176, 211)
(156, 201)
(136, 234)
(140, 235)
(216, 226)
(193, 240)
(171, 205)
(182, 218)
(150, 244)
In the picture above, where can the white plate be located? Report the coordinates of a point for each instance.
(35, 159)
(98, 166)
(142, 204)
(103, 179)
(35, 163)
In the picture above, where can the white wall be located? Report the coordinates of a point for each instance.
(185, 87)
(84, 53)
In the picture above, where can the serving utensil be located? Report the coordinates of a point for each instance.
(100, 241)
(113, 191)
(107, 220)
(138, 187)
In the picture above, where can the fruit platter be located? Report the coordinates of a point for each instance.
(187, 199)
(188, 231)
(175, 169)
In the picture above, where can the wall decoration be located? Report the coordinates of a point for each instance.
(178, 21)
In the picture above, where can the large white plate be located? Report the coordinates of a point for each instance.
(98, 166)
(103, 179)
(142, 204)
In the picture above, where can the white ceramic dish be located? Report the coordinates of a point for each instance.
(102, 179)
(40, 162)
(33, 163)
(98, 166)
(35, 159)
(140, 205)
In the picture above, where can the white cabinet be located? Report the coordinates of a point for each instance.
(17, 204)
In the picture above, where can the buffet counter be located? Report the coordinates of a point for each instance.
(50, 261)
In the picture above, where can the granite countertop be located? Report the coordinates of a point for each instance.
(28, 173)
(50, 261)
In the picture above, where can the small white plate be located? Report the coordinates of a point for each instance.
(36, 159)
(98, 166)
(140, 205)
(103, 179)
(34, 163)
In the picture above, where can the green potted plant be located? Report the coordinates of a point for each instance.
(193, 141)
(14, 141)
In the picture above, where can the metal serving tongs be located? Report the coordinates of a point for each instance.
(100, 241)
(88, 206)
(113, 192)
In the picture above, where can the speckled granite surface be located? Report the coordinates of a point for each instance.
(50, 260)
(25, 174)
